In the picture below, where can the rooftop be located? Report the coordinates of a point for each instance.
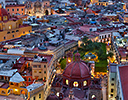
(123, 71)
(8, 72)
(33, 86)
(17, 78)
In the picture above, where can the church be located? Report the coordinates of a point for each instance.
(37, 8)
(76, 83)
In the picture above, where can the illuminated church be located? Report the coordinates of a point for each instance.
(76, 83)
(37, 8)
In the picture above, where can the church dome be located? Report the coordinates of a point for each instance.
(3, 12)
(77, 69)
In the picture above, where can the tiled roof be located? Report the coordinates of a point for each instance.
(123, 70)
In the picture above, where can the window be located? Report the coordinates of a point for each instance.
(75, 84)
(102, 37)
(45, 72)
(112, 79)
(112, 90)
(35, 71)
(34, 66)
(29, 79)
(44, 78)
(22, 13)
(84, 83)
(39, 95)
(10, 26)
(3, 92)
(29, 31)
(12, 83)
(111, 95)
(17, 9)
(4, 17)
(8, 91)
(23, 32)
(39, 71)
(22, 9)
(44, 66)
(8, 32)
(105, 36)
(13, 31)
(108, 35)
(12, 9)
(93, 96)
(17, 30)
(112, 84)
(39, 66)
(66, 82)
(13, 36)
(4, 38)
(34, 98)
(8, 9)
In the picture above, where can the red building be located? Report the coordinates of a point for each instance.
(76, 83)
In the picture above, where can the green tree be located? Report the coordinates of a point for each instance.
(110, 54)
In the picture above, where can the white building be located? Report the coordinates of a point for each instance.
(112, 81)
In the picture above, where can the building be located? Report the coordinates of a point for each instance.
(35, 91)
(13, 83)
(122, 79)
(76, 79)
(112, 79)
(38, 8)
(11, 27)
(103, 2)
(16, 9)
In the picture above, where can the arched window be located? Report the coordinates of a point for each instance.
(93, 96)
(84, 83)
(29, 79)
(66, 82)
(75, 84)
(3, 92)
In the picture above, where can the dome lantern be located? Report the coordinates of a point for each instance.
(77, 57)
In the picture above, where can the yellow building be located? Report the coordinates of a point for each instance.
(11, 27)
(36, 92)
(102, 3)
(17, 84)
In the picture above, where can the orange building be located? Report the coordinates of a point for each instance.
(16, 9)
(11, 27)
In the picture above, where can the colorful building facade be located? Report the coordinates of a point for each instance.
(16, 9)
(11, 27)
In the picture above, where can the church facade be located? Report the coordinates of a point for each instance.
(38, 8)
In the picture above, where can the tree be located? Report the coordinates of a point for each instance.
(110, 54)
(85, 39)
